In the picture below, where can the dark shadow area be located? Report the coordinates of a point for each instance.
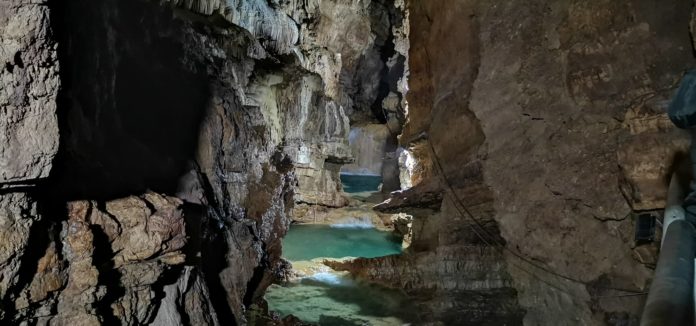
(390, 72)
(213, 249)
(109, 276)
(213, 262)
(133, 95)
(254, 282)
(134, 90)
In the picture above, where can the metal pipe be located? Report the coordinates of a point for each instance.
(670, 300)
(673, 209)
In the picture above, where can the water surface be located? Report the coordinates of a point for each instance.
(356, 183)
(306, 242)
(332, 300)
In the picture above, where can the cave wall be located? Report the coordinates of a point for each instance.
(29, 84)
(144, 196)
(368, 144)
(190, 133)
(553, 101)
(546, 122)
(357, 48)
(606, 78)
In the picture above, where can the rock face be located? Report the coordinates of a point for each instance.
(188, 132)
(191, 131)
(368, 144)
(30, 86)
(112, 259)
(28, 90)
(544, 126)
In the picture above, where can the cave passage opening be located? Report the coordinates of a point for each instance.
(334, 220)
(315, 292)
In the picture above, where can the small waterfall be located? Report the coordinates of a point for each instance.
(362, 222)
(331, 278)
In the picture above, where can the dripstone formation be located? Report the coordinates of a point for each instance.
(154, 153)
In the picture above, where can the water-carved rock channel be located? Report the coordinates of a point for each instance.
(336, 162)
(316, 293)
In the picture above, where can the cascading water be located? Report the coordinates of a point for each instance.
(318, 294)
(335, 299)
(321, 295)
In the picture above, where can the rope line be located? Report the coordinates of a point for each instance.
(467, 214)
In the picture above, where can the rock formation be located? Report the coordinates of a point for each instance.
(29, 137)
(542, 128)
(368, 144)
(154, 153)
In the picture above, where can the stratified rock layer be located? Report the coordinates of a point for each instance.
(188, 131)
(368, 143)
(543, 124)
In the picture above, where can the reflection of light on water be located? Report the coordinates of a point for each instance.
(305, 242)
(333, 298)
(356, 184)
(328, 278)
(322, 296)
(354, 223)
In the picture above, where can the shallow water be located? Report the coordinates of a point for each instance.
(357, 183)
(305, 242)
(335, 299)
(329, 298)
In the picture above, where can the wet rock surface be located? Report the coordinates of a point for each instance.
(152, 154)
(188, 131)
(560, 136)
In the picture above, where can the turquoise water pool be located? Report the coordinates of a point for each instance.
(306, 242)
(356, 183)
(331, 300)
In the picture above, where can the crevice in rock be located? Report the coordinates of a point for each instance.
(214, 261)
(109, 277)
(18, 60)
(38, 241)
(170, 276)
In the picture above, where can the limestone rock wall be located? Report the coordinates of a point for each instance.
(188, 132)
(547, 120)
(368, 144)
(576, 153)
(29, 85)
(356, 48)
